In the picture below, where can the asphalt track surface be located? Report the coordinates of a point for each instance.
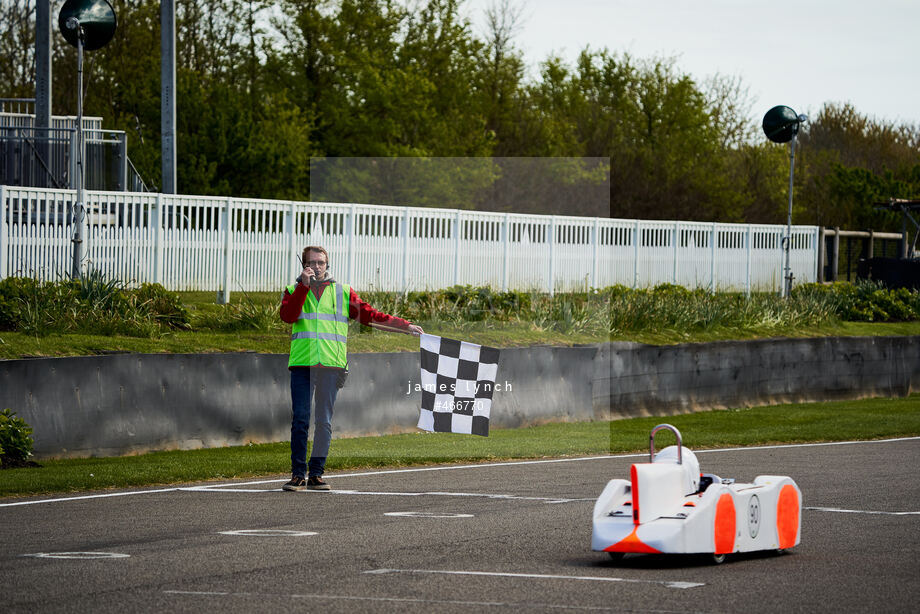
(510, 537)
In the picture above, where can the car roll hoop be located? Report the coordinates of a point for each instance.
(651, 442)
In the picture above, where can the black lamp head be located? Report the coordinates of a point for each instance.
(96, 19)
(781, 123)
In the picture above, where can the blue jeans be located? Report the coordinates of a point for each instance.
(305, 383)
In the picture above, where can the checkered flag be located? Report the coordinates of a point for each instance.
(457, 382)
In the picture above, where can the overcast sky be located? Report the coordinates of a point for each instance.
(800, 54)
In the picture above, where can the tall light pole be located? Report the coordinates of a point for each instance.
(43, 78)
(781, 125)
(87, 25)
(168, 95)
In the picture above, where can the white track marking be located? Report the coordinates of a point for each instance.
(78, 555)
(452, 467)
(395, 494)
(668, 583)
(520, 605)
(843, 511)
(82, 497)
(808, 445)
(428, 515)
(268, 533)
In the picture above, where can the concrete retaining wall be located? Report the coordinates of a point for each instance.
(130, 403)
(660, 380)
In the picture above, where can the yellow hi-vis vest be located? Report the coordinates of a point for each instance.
(320, 335)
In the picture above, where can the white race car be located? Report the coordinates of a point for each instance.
(667, 506)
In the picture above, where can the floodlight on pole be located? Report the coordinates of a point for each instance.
(781, 125)
(87, 25)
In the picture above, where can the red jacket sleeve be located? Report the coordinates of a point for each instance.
(292, 304)
(364, 313)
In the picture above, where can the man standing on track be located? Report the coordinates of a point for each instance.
(318, 307)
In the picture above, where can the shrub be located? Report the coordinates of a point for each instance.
(13, 290)
(92, 304)
(865, 301)
(477, 304)
(97, 291)
(164, 306)
(671, 289)
(249, 314)
(15, 439)
(37, 307)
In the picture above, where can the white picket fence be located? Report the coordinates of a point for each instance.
(229, 245)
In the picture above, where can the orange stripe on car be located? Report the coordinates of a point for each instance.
(724, 529)
(787, 516)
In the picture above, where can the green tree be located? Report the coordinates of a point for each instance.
(17, 48)
(759, 172)
(442, 52)
(667, 159)
(500, 77)
(849, 162)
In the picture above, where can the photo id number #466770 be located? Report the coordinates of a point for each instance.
(458, 405)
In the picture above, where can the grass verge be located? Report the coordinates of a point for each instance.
(152, 320)
(14, 345)
(793, 423)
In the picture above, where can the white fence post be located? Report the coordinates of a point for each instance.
(636, 255)
(750, 256)
(351, 244)
(782, 262)
(457, 233)
(506, 253)
(4, 232)
(676, 252)
(292, 257)
(405, 250)
(595, 255)
(712, 260)
(552, 256)
(158, 240)
(817, 250)
(223, 297)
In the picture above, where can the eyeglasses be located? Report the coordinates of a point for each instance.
(313, 263)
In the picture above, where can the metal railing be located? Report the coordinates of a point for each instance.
(17, 105)
(44, 157)
(224, 244)
(841, 251)
(38, 158)
(59, 122)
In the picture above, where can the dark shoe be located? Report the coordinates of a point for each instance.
(296, 483)
(314, 482)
